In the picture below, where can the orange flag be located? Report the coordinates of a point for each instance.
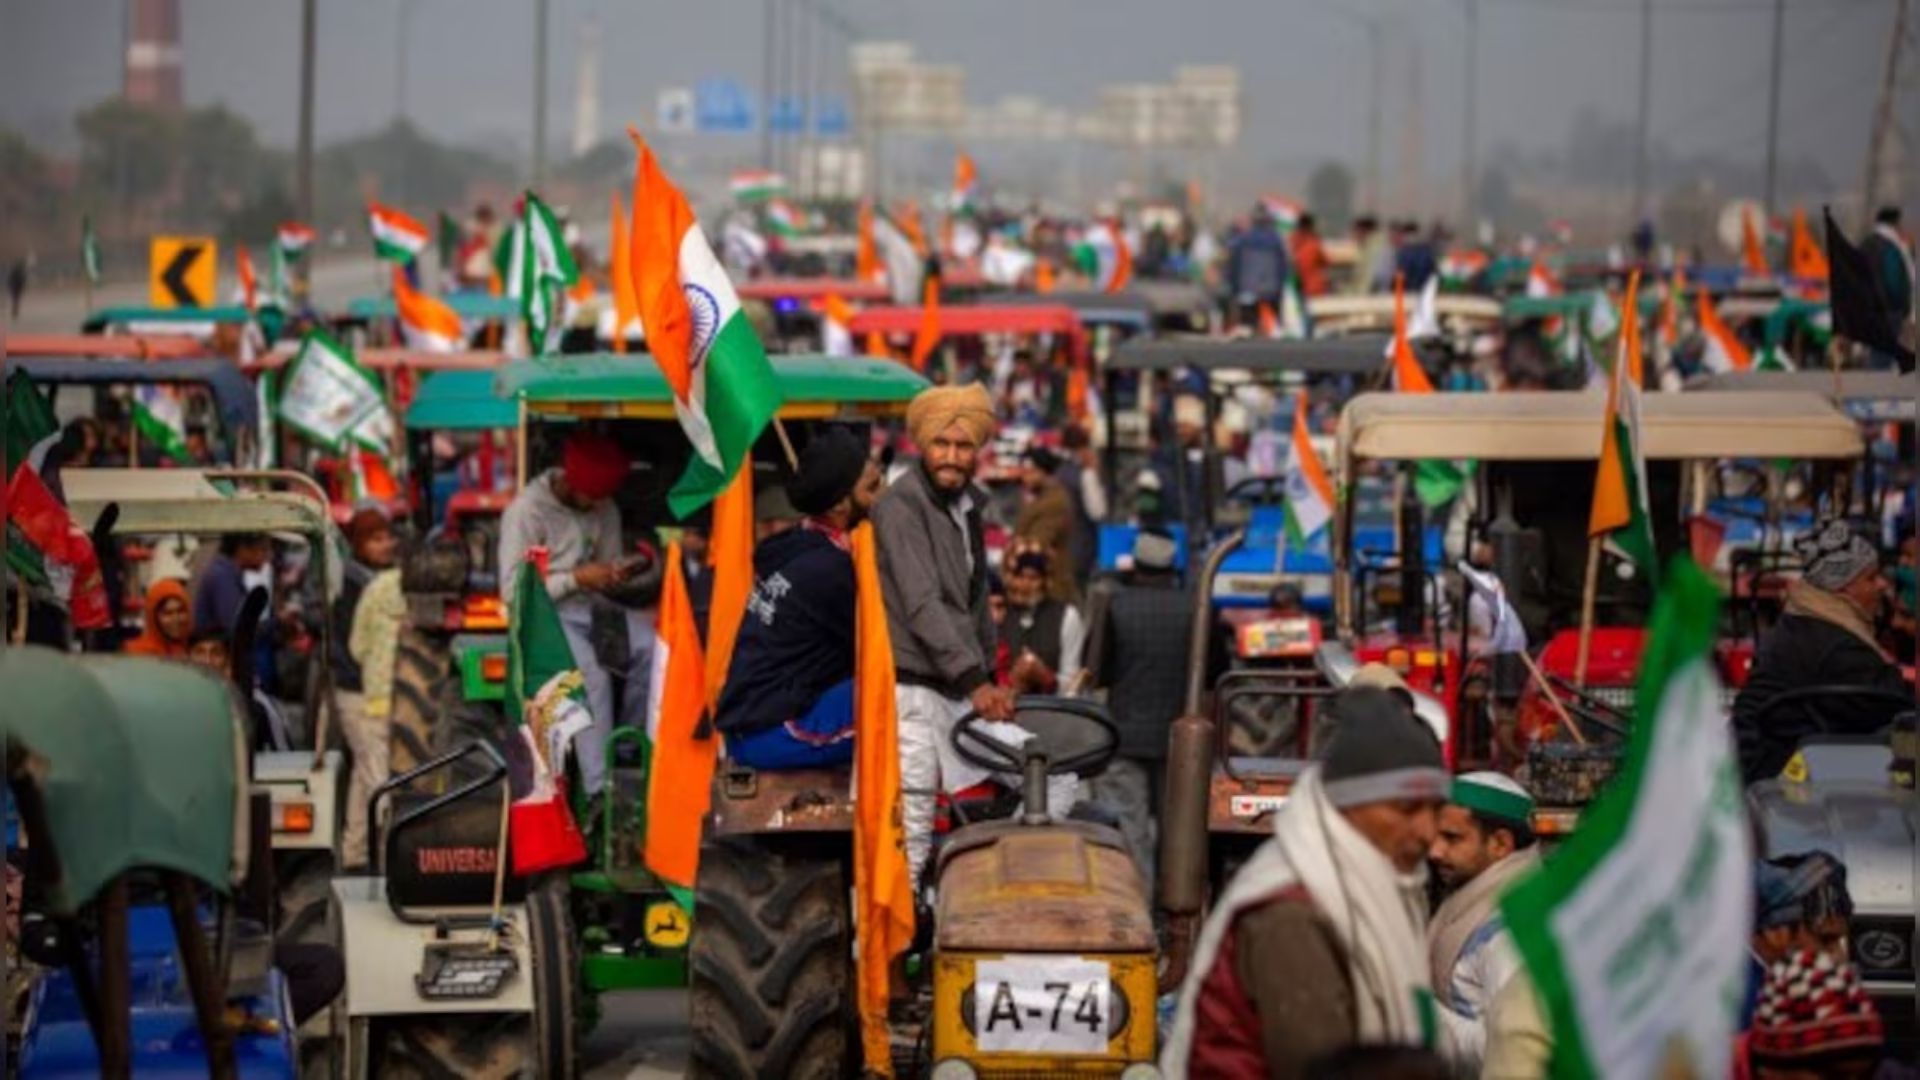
(1043, 276)
(243, 267)
(1670, 309)
(730, 553)
(1408, 376)
(683, 756)
(1269, 325)
(927, 337)
(1806, 258)
(866, 264)
(883, 899)
(877, 345)
(626, 306)
(1753, 257)
(908, 218)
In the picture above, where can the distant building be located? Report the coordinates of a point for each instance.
(153, 54)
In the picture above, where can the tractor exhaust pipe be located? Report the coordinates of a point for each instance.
(1183, 866)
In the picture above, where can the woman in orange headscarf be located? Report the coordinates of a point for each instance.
(169, 621)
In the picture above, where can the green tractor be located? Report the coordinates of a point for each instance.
(628, 932)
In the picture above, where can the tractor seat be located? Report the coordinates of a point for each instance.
(447, 858)
(1005, 886)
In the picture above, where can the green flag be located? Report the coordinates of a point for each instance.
(1635, 932)
(541, 268)
(89, 250)
(538, 652)
(449, 241)
(30, 419)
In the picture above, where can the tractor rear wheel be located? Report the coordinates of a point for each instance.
(772, 978)
(421, 668)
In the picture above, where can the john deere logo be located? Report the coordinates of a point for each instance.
(667, 925)
(706, 322)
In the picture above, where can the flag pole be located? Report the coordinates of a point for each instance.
(1586, 611)
(1553, 696)
(786, 444)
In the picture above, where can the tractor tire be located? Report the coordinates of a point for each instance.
(772, 976)
(453, 1046)
(462, 723)
(420, 669)
(556, 975)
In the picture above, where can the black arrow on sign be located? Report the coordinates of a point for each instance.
(174, 277)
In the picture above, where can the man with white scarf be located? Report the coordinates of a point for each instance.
(1485, 844)
(1319, 941)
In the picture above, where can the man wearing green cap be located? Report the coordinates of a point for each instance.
(1483, 843)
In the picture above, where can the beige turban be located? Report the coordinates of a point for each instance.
(937, 408)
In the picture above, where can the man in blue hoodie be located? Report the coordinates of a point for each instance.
(788, 702)
(1256, 269)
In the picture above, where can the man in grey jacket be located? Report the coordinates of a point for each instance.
(933, 572)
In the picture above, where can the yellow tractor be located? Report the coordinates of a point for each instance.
(1043, 955)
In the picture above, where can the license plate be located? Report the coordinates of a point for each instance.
(1042, 1005)
(1251, 806)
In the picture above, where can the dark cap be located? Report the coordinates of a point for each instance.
(1380, 752)
(830, 466)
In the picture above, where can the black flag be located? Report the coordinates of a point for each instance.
(1859, 314)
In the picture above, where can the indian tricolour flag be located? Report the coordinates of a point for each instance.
(1113, 261)
(294, 239)
(965, 182)
(1620, 485)
(904, 263)
(1286, 212)
(752, 185)
(723, 388)
(1540, 280)
(1435, 481)
(783, 218)
(426, 321)
(1309, 493)
(396, 236)
(1635, 932)
(162, 419)
(836, 315)
(1724, 349)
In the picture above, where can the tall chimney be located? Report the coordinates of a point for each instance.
(153, 54)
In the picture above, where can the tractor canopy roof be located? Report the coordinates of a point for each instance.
(139, 761)
(1569, 304)
(1376, 310)
(1847, 386)
(468, 305)
(108, 346)
(392, 359)
(181, 320)
(1093, 308)
(610, 384)
(232, 394)
(851, 290)
(1332, 356)
(1565, 426)
(966, 319)
(460, 400)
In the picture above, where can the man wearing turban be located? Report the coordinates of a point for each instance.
(1826, 636)
(933, 572)
(569, 511)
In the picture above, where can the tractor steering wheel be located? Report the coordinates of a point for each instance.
(1071, 735)
(1258, 491)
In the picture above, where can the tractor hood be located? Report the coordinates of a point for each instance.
(1065, 887)
(1848, 808)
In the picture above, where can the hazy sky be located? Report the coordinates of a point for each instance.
(1303, 62)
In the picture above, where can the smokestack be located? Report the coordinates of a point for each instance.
(586, 101)
(152, 76)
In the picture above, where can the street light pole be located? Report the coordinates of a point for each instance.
(402, 21)
(766, 88)
(303, 153)
(539, 92)
(1773, 106)
(1646, 112)
(1376, 74)
(1467, 153)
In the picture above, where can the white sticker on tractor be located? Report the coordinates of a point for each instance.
(1041, 1005)
(1249, 806)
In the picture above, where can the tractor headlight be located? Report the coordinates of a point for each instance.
(953, 1069)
